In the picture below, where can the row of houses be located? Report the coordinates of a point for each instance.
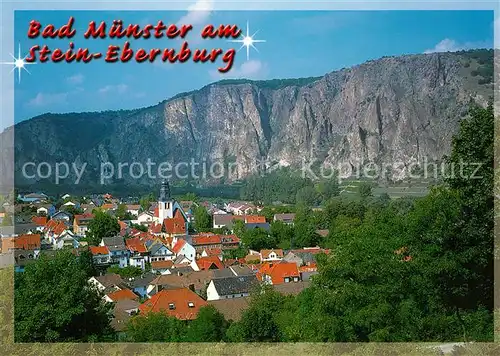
(183, 292)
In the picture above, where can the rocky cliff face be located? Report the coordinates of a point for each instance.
(389, 111)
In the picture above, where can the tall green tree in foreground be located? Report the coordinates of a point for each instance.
(53, 302)
(209, 326)
(407, 270)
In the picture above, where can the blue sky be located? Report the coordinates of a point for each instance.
(298, 44)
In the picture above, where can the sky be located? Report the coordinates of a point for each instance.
(297, 44)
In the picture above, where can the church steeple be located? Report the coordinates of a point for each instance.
(165, 192)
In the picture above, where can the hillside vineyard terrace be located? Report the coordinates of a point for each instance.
(126, 53)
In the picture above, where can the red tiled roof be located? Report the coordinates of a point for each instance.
(155, 228)
(107, 206)
(179, 299)
(230, 239)
(27, 242)
(205, 263)
(174, 226)
(213, 251)
(206, 240)
(39, 220)
(178, 246)
(55, 226)
(278, 271)
(178, 214)
(157, 212)
(122, 294)
(136, 245)
(309, 268)
(83, 218)
(99, 250)
(162, 264)
(255, 219)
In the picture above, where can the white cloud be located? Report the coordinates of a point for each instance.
(44, 99)
(75, 79)
(198, 13)
(252, 69)
(120, 89)
(450, 45)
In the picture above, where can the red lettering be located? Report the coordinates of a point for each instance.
(224, 31)
(228, 58)
(81, 55)
(111, 54)
(153, 54)
(67, 30)
(34, 29)
(44, 53)
(172, 31)
(147, 31)
(127, 53)
(184, 53)
(57, 55)
(184, 30)
(31, 55)
(95, 32)
(141, 55)
(168, 54)
(159, 28)
(49, 31)
(203, 56)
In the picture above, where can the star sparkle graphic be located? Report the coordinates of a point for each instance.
(19, 63)
(248, 41)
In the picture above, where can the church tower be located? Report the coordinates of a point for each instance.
(165, 202)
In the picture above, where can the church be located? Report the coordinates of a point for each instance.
(169, 218)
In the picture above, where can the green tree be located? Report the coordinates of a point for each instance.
(146, 201)
(260, 322)
(155, 327)
(202, 219)
(102, 225)
(126, 272)
(87, 263)
(209, 326)
(139, 227)
(239, 228)
(307, 196)
(55, 303)
(365, 190)
(462, 240)
(258, 239)
(71, 209)
(121, 211)
(282, 233)
(327, 189)
(304, 228)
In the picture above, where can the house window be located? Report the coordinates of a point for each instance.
(191, 304)
(171, 306)
(295, 279)
(287, 280)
